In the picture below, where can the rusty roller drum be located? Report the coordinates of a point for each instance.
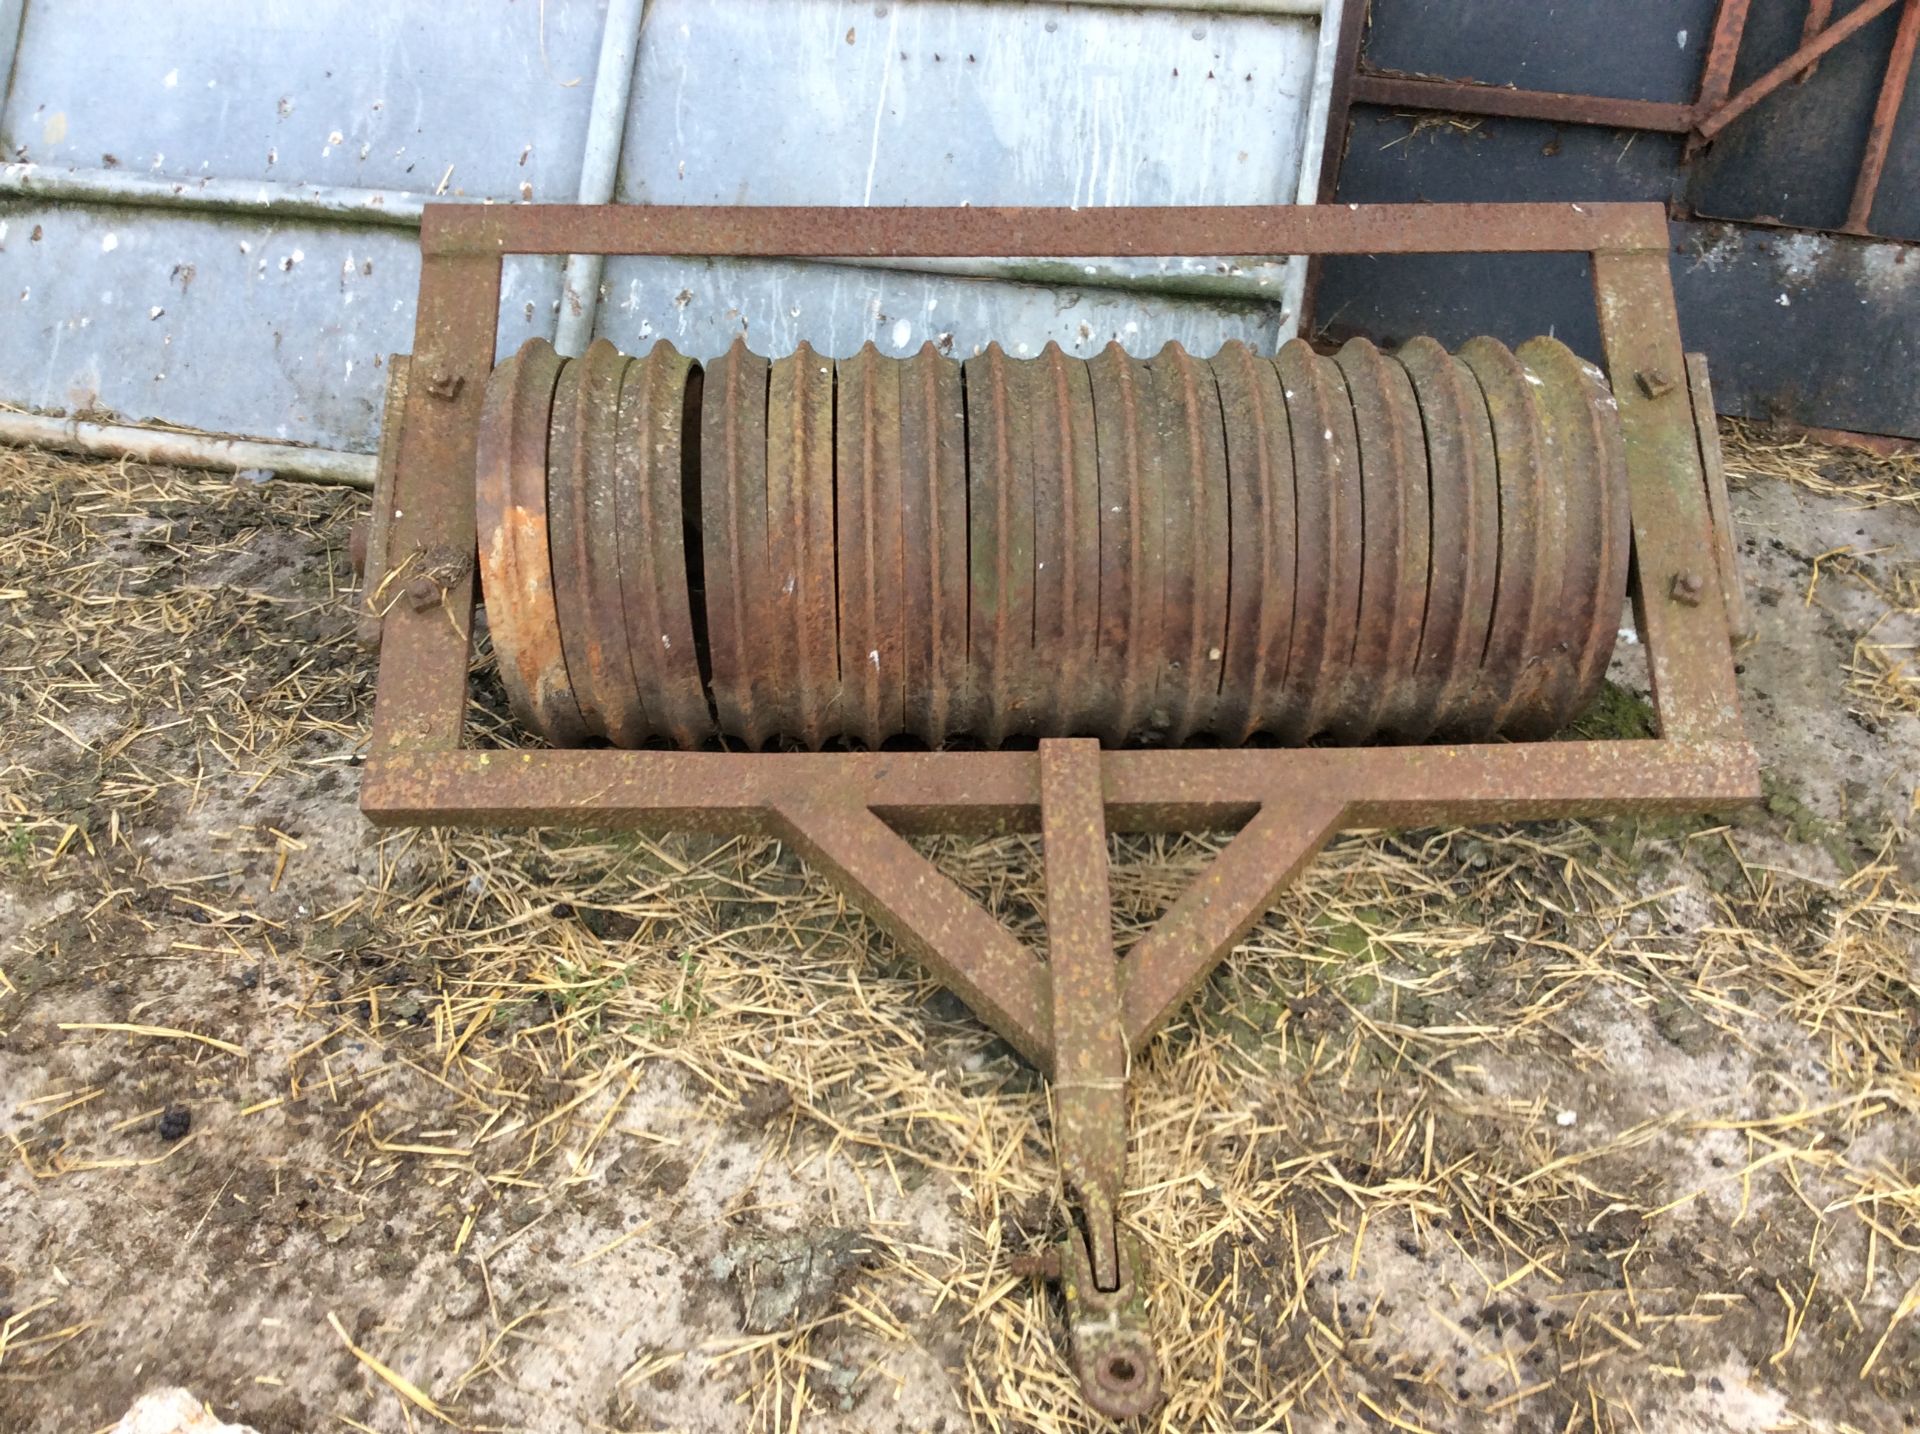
(809, 552)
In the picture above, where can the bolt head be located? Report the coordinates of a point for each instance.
(1044, 1266)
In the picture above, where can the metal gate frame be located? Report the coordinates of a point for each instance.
(1715, 105)
(1080, 1015)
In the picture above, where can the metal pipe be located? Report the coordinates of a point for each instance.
(600, 166)
(187, 450)
(1232, 278)
(13, 19)
(396, 207)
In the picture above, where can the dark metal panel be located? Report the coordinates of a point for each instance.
(1793, 159)
(1453, 297)
(1821, 329)
(1571, 45)
(1839, 352)
(1401, 158)
(1412, 159)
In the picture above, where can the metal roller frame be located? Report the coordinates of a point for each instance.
(1079, 1017)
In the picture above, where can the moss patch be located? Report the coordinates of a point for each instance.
(1615, 715)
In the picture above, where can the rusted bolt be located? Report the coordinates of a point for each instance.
(1687, 588)
(1044, 1266)
(423, 593)
(1653, 383)
(442, 383)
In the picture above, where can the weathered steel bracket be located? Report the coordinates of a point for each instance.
(1080, 1014)
(1726, 551)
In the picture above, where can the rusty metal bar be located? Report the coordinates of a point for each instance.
(1886, 113)
(1710, 125)
(985, 792)
(1346, 69)
(421, 691)
(1113, 1350)
(1167, 965)
(1089, 1050)
(1416, 92)
(931, 918)
(1726, 551)
(1333, 148)
(1680, 614)
(1818, 13)
(780, 231)
(372, 540)
(1716, 74)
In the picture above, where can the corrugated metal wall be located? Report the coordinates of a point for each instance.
(272, 325)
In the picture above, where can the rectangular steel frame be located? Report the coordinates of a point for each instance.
(1080, 1016)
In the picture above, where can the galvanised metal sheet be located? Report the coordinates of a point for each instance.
(701, 306)
(969, 102)
(276, 331)
(491, 98)
(279, 330)
(965, 101)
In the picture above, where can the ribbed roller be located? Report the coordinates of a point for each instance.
(1132, 561)
(933, 547)
(516, 569)
(805, 552)
(1003, 696)
(1260, 528)
(659, 400)
(733, 541)
(867, 423)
